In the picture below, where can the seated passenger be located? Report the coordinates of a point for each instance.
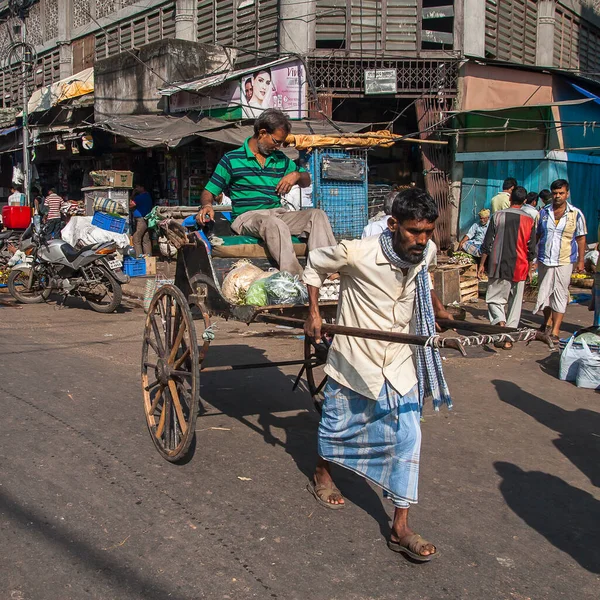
(255, 177)
(471, 242)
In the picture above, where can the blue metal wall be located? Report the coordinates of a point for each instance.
(482, 180)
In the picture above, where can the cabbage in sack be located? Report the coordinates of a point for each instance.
(284, 288)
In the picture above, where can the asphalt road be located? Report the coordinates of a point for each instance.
(509, 479)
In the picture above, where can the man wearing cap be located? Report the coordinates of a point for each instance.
(471, 242)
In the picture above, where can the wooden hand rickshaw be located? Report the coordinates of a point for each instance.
(173, 351)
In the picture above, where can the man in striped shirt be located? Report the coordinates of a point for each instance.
(53, 204)
(561, 235)
(255, 177)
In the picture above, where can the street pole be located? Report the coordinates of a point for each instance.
(24, 72)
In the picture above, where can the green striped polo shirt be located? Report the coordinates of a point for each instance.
(250, 186)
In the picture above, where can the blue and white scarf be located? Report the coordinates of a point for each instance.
(428, 361)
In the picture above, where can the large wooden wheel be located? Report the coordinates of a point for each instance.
(315, 356)
(170, 373)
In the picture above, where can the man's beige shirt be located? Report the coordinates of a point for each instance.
(500, 201)
(374, 294)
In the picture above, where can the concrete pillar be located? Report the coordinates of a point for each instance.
(473, 26)
(297, 26)
(65, 25)
(544, 54)
(186, 13)
(456, 176)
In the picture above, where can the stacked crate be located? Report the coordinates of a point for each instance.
(340, 188)
(108, 200)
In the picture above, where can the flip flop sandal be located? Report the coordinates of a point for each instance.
(323, 492)
(415, 542)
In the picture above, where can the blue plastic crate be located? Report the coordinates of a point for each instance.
(109, 223)
(345, 202)
(134, 267)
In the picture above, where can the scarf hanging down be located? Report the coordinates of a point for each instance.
(428, 361)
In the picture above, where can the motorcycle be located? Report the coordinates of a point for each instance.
(93, 272)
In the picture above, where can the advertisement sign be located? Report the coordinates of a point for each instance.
(282, 87)
(246, 95)
(381, 81)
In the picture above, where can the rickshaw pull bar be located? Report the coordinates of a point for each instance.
(370, 334)
(264, 365)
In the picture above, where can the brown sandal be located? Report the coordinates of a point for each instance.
(414, 544)
(323, 493)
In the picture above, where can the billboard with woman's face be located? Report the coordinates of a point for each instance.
(280, 86)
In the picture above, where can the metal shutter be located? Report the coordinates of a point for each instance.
(365, 26)
(511, 30)
(246, 26)
(167, 22)
(331, 20)
(268, 26)
(401, 25)
(224, 22)
(206, 21)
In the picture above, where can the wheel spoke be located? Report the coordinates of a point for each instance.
(181, 359)
(153, 345)
(157, 335)
(181, 373)
(168, 320)
(156, 400)
(161, 421)
(177, 403)
(177, 342)
(151, 386)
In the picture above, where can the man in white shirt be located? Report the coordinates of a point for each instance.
(379, 226)
(16, 198)
(371, 413)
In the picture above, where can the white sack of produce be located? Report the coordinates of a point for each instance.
(238, 280)
(80, 229)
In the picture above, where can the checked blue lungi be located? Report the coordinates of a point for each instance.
(378, 439)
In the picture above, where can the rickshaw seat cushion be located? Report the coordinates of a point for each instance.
(245, 246)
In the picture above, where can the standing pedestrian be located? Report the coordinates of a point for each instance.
(530, 206)
(502, 200)
(561, 235)
(53, 205)
(141, 204)
(510, 245)
(546, 197)
(370, 420)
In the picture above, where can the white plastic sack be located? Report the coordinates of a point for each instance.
(588, 374)
(238, 280)
(570, 359)
(293, 199)
(80, 229)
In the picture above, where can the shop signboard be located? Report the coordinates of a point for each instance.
(246, 95)
(381, 81)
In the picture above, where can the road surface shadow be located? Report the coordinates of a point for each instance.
(578, 429)
(99, 563)
(565, 515)
(265, 392)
